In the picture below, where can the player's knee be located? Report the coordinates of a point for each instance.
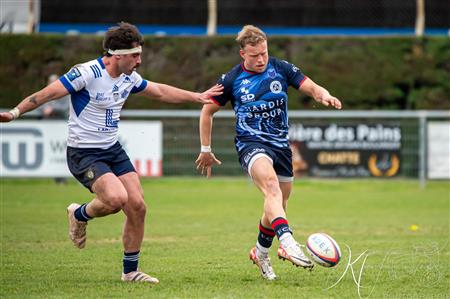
(117, 200)
(271, 187)
(140, 208)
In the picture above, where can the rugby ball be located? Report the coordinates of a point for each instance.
(323, 250)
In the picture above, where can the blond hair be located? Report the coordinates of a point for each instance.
(250, 34)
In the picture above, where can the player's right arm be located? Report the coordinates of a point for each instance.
(170, 94)
(52, 91)
(206, 158)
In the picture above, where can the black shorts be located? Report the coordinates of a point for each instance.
(281, 159)
(88, 164)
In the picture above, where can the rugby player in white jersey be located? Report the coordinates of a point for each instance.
(98, 90)
(257, 90)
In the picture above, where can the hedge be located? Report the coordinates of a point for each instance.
(365, 73)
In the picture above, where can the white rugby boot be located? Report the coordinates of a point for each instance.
(77, 229)
(138, 276)
(291, 250)
(263, 263)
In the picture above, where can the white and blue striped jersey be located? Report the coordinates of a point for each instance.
(96, 102)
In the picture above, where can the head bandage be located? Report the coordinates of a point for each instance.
(135, 50)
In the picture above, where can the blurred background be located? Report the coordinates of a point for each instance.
(388, 61)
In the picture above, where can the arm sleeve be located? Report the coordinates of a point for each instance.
(227, 94)
(293, 74)
(139, 85)
(76, 79)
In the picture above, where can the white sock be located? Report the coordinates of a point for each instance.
(286, 239)
(261, 251)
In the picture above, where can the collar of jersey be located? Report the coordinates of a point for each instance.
(250, 72)
(100, 61)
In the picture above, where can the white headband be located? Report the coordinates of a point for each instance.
(125, 51)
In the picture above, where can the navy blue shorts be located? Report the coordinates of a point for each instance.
(88, 164)
(281, 159)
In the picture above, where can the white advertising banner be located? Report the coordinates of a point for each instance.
(38, 148)
(438, 150)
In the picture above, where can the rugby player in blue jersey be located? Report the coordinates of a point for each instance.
(257, 90)
(98, 90)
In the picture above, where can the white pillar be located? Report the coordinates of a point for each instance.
(212, 17)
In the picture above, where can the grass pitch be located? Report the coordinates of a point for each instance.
(199, 232)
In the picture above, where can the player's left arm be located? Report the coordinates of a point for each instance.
(54, 90)
(171, 94)
(320, 94)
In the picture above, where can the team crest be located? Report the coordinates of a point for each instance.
(275, 87)
(90, 174)
(272, 73)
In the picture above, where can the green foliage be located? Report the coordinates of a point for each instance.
(366, 73)
(198, 234)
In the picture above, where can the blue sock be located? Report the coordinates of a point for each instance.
(130, 261)
(280, 226)
(265, 236)
(81, 215)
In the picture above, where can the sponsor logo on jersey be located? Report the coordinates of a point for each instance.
(73, 74)
(266, 110)
(109, 121)
(246, 82)
(100, 97)
(247, 96)
(124, 94)
(275, 87)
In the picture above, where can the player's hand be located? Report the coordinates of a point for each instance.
(6, 117)
(205, 161)
(205, 97)
(331, 101)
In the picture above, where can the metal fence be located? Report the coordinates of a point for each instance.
(181, 139)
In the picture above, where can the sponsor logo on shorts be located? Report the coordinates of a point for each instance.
(253, 152)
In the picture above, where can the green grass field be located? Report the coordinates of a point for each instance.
(199, 232)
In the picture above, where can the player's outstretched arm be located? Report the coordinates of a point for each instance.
(206, 158)
(319, 94)
(171, 94)
(53, 91)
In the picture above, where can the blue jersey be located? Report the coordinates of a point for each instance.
(259, 101)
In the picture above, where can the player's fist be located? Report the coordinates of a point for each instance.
(6, 117)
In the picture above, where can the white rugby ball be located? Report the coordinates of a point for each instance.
(323, 249)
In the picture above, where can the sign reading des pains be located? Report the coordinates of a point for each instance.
(356, 150)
